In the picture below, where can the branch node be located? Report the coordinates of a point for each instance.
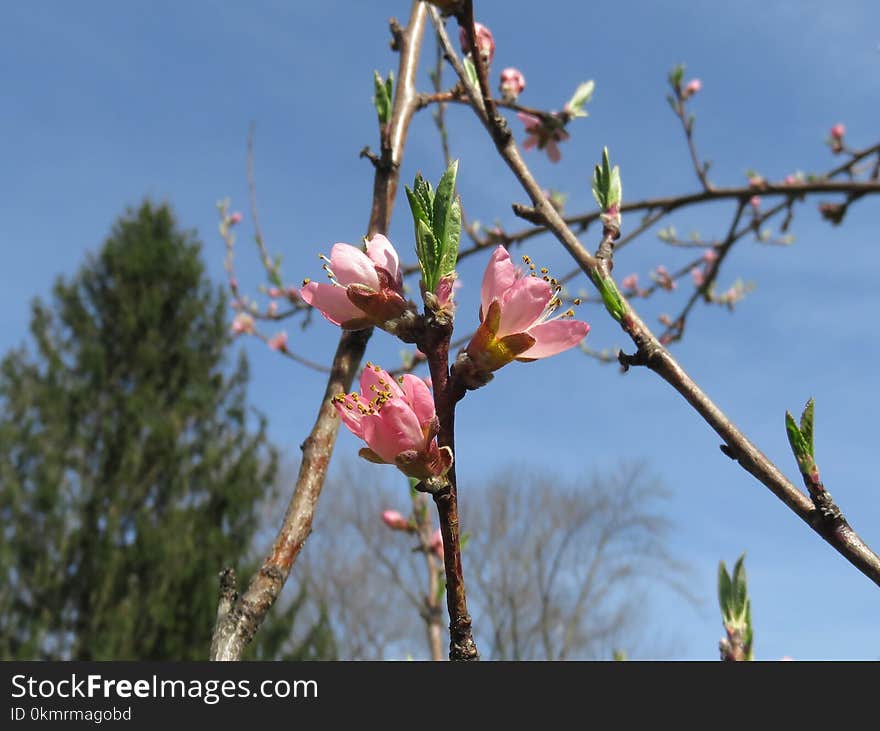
(396, 34)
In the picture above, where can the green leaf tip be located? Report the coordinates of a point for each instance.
(607, 188)
(437, 221)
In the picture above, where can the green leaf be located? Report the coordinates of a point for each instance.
(807, 425)
(748, 634)
(417, 206)
(447, 221)
(581, 96)
(610, 295)
(428, 255)
(740, 591)
(607, 188)
(676, 76)
(382, 97)
(471, 72)
(795, 438)
(724, 589)
(672, 103)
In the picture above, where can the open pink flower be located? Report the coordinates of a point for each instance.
(397, 421)
(395, 520)
(543, 133)
(515, 317)
(243, 323)
(365, 289)
(485, 42)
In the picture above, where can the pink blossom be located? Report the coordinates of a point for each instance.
(397, 421)
(278, 342)
(395, 520)
(515, 317)
(512, 83)
(630, 282)
(436, 544)
(710, 256)
(755, 202)
(272, 309)
(292, 293)
(692, 87)
(838, 131)
(234, 218)
(544, 133)
(698, 277)
(274, 292)
(664, 278)
(485, 42)
(756, 181)
(364, 289)
(243, 323)
(789, 180)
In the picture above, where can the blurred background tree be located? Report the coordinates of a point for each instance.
(131, 467)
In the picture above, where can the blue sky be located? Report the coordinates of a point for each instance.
(109, 102)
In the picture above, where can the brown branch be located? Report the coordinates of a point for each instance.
(653, 355)
(447, 393)
(236, 629)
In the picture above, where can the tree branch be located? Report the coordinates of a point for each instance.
(652, 354)
(236, 629)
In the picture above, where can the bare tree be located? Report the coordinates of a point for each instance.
(560, 568)
(563, 565)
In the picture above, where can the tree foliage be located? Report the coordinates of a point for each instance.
(131, 466)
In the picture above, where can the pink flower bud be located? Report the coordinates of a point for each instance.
(234, 218)
(395, 520)
(292, 294)
(274, 292)
(630, 282)
(278, 342)
(692, 87)
(838, 131)
(710, 256)
(436, 544)
(485, 42)
(698, 277)
(272, 309)
(755, 202)
(512, 83)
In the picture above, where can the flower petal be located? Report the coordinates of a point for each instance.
(499, 277)
(418, 395)
(350, 265)
(552, 150)
(383, 254)
(375, 379)
(529, 120)
(350, 414)
(332, 301)
(523, 304)
(394, 430)
(555, 336)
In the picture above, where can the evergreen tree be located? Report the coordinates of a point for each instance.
(130, 466)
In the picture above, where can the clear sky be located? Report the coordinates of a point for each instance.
(108, 102)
